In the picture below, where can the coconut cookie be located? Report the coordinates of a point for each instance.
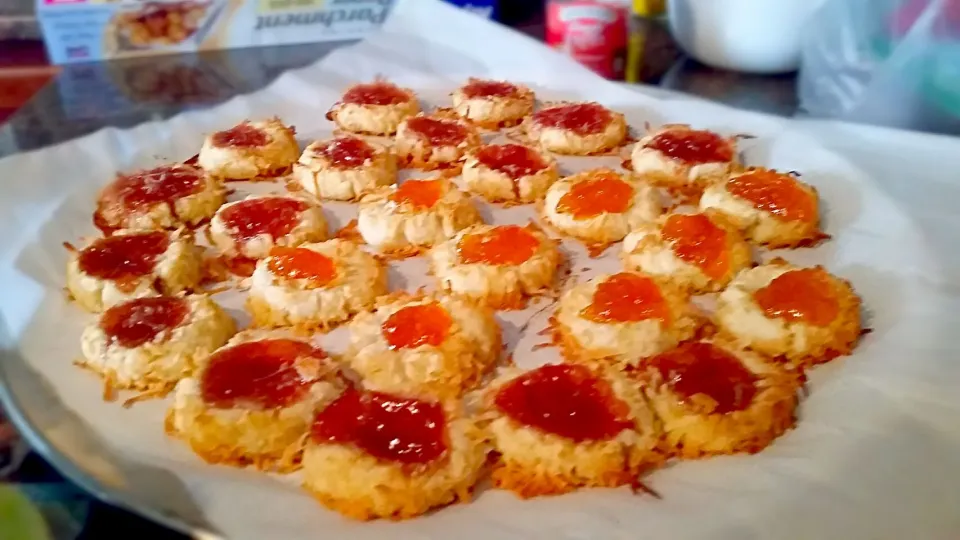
(806, 315)
(500, 266)
(771, 208)
(250, 151)
(375, 108)
(493, 104)
(314, 285)
(622, 318)
(148, 344)
(434, 141)
(248, 229)
(684, 160)
(578, 129)
(695, 252)
(165, 197)
(435, 345)
(380, 455)
(560, 427)
(509, 173)
(344, 168)
(715, 399)
(252, 402)
(404, 219)
(599, 207)
(131, 265)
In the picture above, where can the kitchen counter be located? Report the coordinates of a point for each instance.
(83, 98)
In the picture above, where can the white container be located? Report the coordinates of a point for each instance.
(756, 36)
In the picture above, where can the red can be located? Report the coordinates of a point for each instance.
(594, 32)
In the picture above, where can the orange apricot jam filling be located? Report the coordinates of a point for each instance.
(698, 241)
(777, 193)
(422, 194)
(627, 297)
(418, 325)
(302, 263)
(804, 295)
(602, 192)
(504, 245)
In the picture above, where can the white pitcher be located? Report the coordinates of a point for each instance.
(757, 36)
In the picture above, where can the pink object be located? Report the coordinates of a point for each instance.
(594, 32)
(948, 25)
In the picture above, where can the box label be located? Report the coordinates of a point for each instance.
(78, 30)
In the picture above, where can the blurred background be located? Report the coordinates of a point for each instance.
(67, 67)
(70, 67)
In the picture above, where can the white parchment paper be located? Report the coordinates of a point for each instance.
(875, 454)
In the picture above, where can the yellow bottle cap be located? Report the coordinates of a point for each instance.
(648, 8)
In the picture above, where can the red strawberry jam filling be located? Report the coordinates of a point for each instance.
(702, 369)
(566, 400)
(390, 428)
(262, 374)
(139, 321)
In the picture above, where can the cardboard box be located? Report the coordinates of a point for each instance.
(85, 30)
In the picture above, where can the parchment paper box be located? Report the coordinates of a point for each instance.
(84, 30)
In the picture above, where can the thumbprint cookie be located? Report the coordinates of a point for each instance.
(344, 168)
(715, 399)
(148, 344)
(434, 141)
(252, 401)
(682, 159)
(509, 173)
(391, 455)
(132, 264)
(250, 151)
(247, 230)
(375, 108)
(493, 104)
(438, 345)
(806, 315)
(560, 427)
(404, 219)
(165, 197)
(314, 285)
(500, 266)
(623, 318)
(771, 208)
(578, 129)
(695, 252)
(600, 206)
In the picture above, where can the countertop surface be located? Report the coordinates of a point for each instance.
(84, 98)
